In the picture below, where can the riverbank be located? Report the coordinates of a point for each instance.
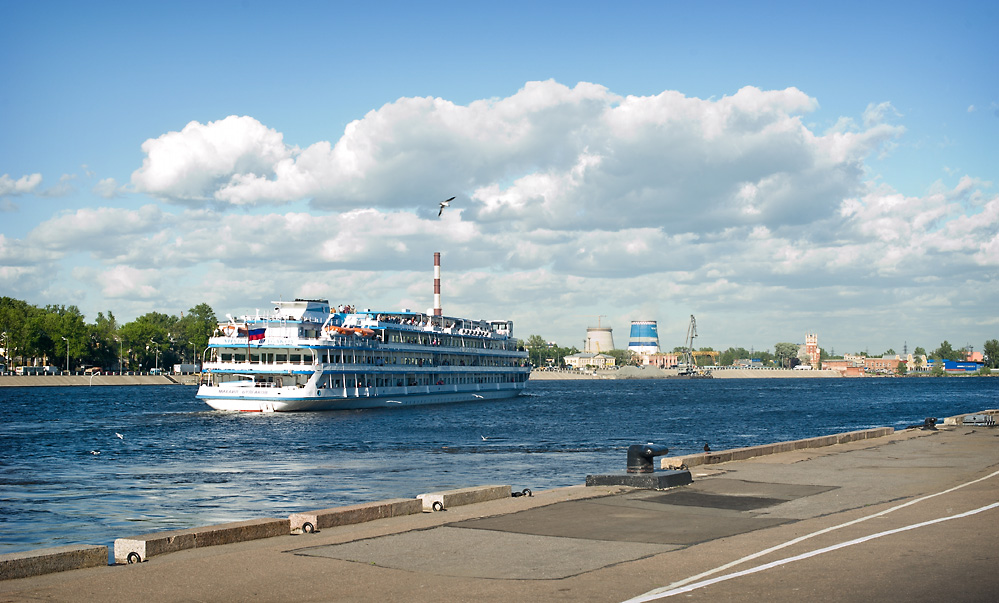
(831, 521)
(634, 372)
(87, 380)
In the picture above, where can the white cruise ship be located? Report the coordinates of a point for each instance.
(306, 355)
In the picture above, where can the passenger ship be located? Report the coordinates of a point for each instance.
(307, 355)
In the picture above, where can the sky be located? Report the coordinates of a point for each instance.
(772, 168)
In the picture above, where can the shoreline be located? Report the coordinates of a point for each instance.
(631, 372)
(87, 380)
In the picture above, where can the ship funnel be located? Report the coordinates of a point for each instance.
(437, 284)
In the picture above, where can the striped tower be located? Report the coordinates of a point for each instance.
(644, 337)
(437, 283)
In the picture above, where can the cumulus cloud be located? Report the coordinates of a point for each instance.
(548, 156)
(21, 186)
(191, 165)
(129, 282)
(103, 231)
(108, 188)
(645, 207)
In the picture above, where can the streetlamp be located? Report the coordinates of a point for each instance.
(67, 353)
(156, 351)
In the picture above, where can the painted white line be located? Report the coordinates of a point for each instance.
(721, 568)
(773, 564)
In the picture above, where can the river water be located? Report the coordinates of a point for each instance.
(178, 464)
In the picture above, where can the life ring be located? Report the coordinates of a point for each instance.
(229, 330)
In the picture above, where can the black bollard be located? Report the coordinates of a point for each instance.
(640, 457)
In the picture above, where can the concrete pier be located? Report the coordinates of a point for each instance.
(440, 501)
(51, 560)
(310, 521)
(908, 516)
(141, 548)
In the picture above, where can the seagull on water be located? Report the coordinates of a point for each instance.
(443, 205)
(95, 452)
(477, 395)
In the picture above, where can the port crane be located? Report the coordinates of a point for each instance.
(688, 357)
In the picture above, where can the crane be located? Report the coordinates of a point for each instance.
(687, 363)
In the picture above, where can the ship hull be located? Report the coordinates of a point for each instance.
(295, 402)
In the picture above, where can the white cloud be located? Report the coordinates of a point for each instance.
(190, 165)
(21, 186)
(129, 282)
(108, 188)
(570, 201)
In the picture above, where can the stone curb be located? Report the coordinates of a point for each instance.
(741, 454)
(140, 548)
(310, 521)
(440, 501)
(959, 419)
(51, 560)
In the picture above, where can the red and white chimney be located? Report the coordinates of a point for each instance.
(437, 283)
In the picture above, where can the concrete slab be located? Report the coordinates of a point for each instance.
(54, 559)
(659, 480)
(141, 548)
(311, 521)
(625, 518)
(453, 551)
(439, 501)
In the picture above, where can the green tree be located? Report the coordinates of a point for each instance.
(991, 352)
(919, 351)
(785, 352)
(622, 357)
(193, 330)
(536, 348)
(945, 352)
(147, 340)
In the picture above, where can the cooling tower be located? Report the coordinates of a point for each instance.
(599, 340)
(644, 337)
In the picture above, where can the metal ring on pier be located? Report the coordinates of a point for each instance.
(134, 557)
(438, 506)
(308, 528)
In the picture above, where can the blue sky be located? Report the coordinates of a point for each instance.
(774, 169)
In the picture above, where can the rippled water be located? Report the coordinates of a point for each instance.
(179, 464)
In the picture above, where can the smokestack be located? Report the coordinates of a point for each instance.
(437, 283)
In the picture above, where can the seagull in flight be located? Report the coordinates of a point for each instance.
(120, 437)
(443, 205)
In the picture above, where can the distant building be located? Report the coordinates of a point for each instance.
(584, 359)
(661, 360)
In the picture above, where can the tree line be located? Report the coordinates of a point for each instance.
(60, 335)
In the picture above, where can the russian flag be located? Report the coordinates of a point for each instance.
(255, 334)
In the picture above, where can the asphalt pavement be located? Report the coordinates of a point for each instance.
(913, 516)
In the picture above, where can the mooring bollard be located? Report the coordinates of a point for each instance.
(640, 457)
